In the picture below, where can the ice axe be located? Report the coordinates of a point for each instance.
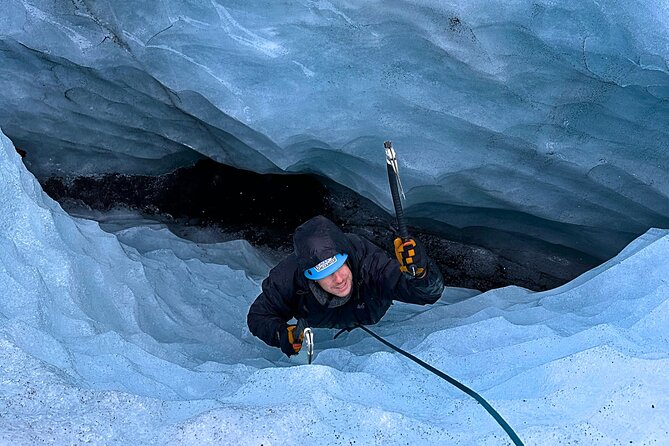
(307, 335)
(397, 193)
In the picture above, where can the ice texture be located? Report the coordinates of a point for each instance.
(547, 119)
(138, 337)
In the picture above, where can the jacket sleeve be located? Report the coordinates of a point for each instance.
(402, 287)
(276, 305)
(423, 291)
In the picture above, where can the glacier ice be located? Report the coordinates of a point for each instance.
(137, 336)
(541, 119)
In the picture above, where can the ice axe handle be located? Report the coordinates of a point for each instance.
(393, 180)
(307, 338)
(399, 213)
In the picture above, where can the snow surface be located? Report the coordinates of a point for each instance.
(139, 337)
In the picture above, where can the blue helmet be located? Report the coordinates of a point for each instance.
(326, 267)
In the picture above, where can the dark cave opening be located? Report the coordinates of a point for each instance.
(254, 206)
(264, 209)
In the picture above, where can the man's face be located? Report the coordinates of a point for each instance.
(338, 283)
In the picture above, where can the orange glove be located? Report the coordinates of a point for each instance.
(291, 342)
(410, 254)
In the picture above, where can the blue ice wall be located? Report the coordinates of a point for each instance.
(541, 118)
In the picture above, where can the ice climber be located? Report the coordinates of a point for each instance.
(338, 280)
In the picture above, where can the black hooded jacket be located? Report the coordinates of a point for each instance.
(377, 281)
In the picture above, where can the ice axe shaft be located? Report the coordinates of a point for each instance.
(307, 340)
(396, 188)
(397, 192)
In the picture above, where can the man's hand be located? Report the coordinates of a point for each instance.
(410, 253)
(291, 341)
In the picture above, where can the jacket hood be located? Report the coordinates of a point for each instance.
(318, 239)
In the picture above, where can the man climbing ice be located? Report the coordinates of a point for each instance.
(338, 280)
